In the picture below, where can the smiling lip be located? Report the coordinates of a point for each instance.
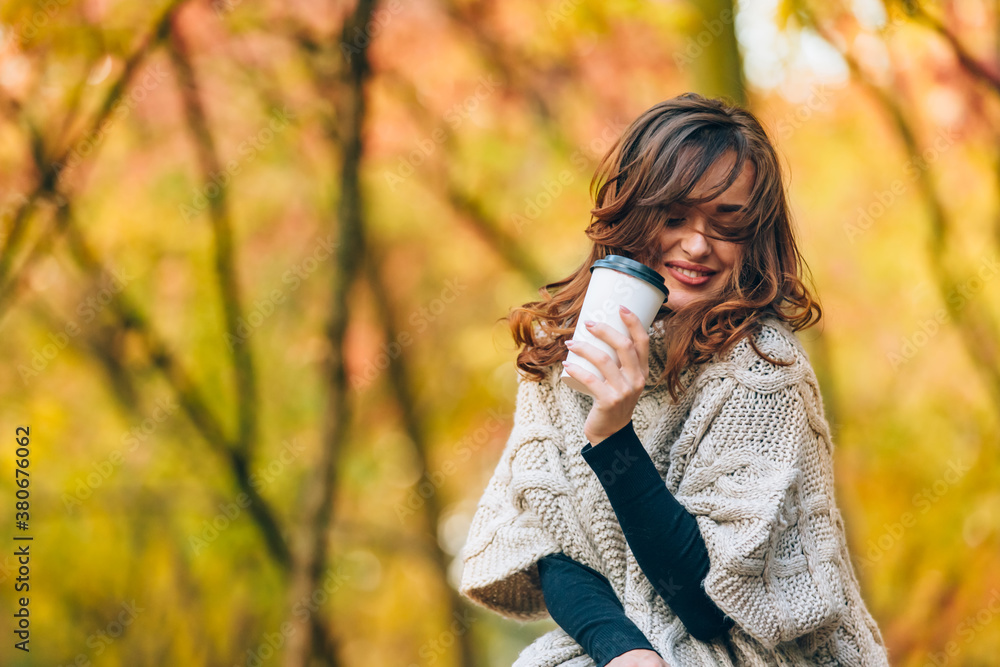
(689, 280)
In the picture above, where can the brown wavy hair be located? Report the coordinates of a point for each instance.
(654, 164)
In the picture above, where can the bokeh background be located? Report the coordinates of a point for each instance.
(254, 256)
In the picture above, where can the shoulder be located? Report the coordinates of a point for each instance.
(768, 359)
(743, 378)
(772, 407)
(775, 338)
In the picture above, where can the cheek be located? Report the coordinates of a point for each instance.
(667, 237)
(728, 254)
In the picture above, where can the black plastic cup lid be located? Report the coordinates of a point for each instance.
(632, 268)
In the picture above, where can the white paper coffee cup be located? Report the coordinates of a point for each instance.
(614, 280)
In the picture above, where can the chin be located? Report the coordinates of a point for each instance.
(679, 297)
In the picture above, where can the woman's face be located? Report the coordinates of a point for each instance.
(683, 244)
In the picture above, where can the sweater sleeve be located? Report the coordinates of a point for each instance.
(583, 603)
(526, 500)
(664, 538)
(760, 487)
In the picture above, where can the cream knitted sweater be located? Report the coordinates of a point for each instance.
(747, 451)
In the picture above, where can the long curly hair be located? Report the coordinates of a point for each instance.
(654, 164)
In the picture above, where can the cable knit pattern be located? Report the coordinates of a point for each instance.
(747, 451)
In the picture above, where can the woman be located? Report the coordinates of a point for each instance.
(684, 515)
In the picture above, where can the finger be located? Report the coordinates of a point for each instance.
(596, 386)
(602, 360)
(640, 337)
(626, 349)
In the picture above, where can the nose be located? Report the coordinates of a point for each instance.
(694, 242)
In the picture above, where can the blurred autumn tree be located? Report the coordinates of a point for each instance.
(252, 261)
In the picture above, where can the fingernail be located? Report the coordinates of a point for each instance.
(589, 323)
(624, 309)
(570, 343)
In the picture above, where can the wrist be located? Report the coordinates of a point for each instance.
(595, 439)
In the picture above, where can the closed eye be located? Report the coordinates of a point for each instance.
(730, 232)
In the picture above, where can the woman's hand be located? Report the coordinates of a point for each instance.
(639, 657)
(615, 398)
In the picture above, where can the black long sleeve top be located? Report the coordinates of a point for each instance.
(667, 545)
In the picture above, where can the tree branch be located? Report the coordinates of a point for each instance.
(978, 334)
(49, 170)
(224, 248)
(469, 208)
(188, 396)
(965, 59)
(319, 510)
(416, 431)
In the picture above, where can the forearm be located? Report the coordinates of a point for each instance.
(663, 536)
(583, 603)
